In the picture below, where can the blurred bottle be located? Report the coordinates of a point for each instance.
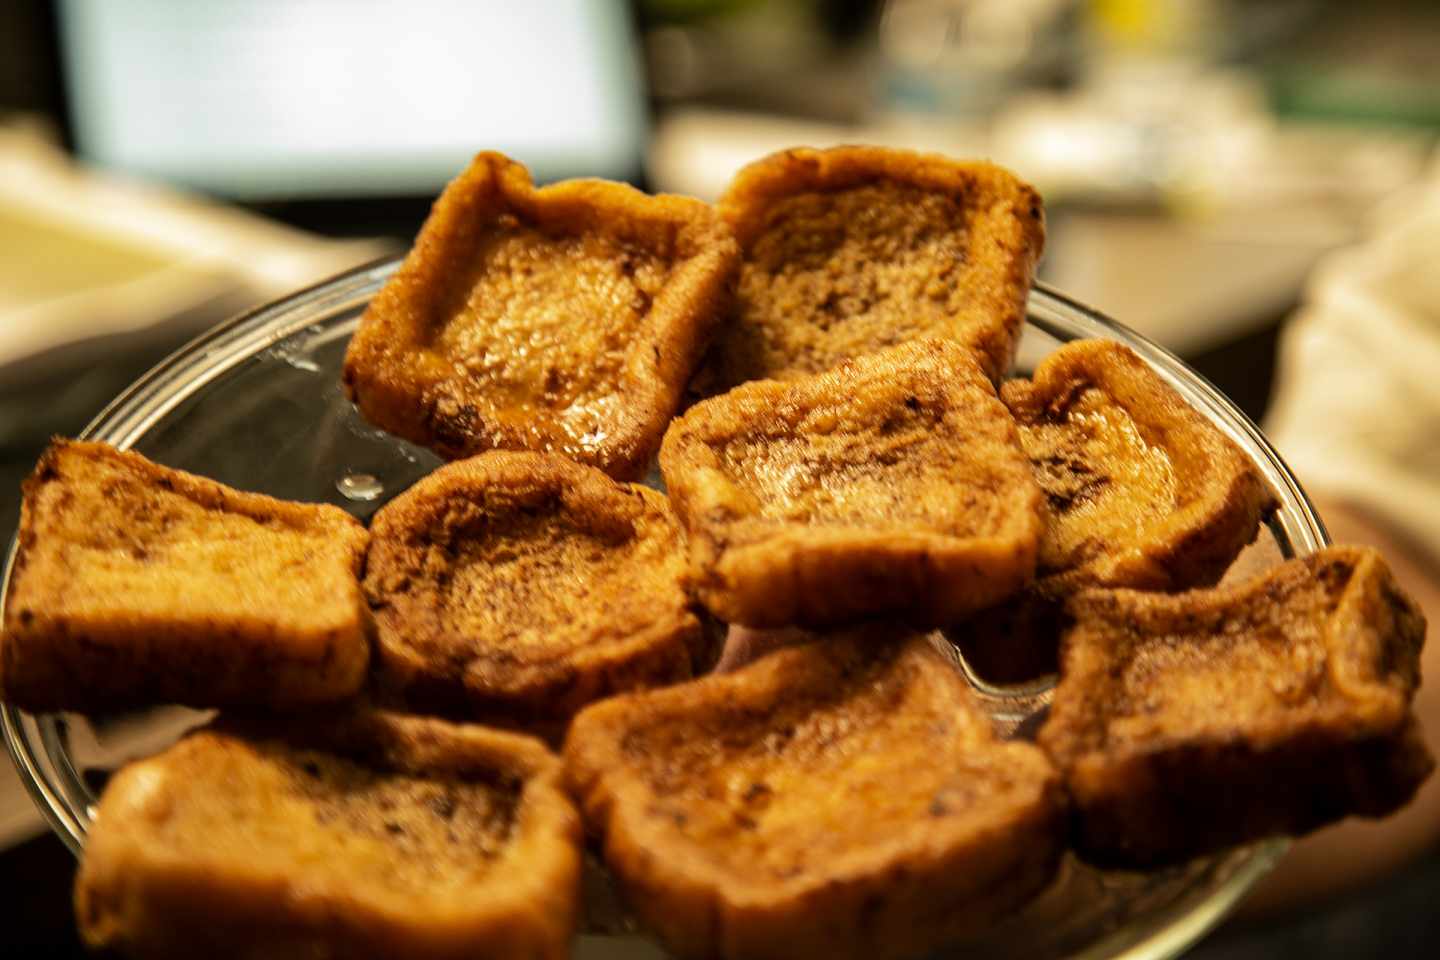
(1152, 29)
(1140, 55)
(802, 58)
(963, 59)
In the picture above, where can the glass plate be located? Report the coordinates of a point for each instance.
(257, 404)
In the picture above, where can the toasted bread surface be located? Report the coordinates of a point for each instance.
(360, 835)
(843, 798)
(137, 584)
(517, 587)
(853, 249)
(1188, 722)
(891, 484)
(1141, 490)
(565, 319)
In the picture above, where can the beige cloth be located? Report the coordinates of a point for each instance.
(1356, 411)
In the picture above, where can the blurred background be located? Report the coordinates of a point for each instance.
(166, 164)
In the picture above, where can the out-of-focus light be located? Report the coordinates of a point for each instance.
(257, 98)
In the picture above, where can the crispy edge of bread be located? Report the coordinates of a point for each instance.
(942, 880)
(1206, 533)
(747, 201)
(790, 578)
(537, 697)
(1176, 799)
(52, 662)
(409, 394)
(134, 892)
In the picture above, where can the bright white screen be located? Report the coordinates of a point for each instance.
(291, 98)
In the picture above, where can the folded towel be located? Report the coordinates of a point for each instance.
(1356, 411)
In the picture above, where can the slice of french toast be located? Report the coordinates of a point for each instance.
(363, 835)
(136, 584)
(844, 798)
(1189, 722)
(565, 319)
(514, 588)
(891, 485)
(854, 249)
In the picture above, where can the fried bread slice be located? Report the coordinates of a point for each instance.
(845, 798)
(891, 484)
(1141, 491)
(517, 587)
(1189, 722)
(566, 319)
(366, 835)
(135, 584)
(853, 249)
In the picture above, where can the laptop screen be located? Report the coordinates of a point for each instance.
(284, 99)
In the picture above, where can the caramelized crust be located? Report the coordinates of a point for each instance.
(1185, 723)
(839, 799)
(566, 319)
(850, 250)
(373, 835)
(893, 483)
(136, 584)
(517, 587)
(1141, 491)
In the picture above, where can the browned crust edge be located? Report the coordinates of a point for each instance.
(746, 203)
(133, 894)
(681, 320)
(1227, 498)
(1172, 800)
(540, 698)
(928, 579)
(54, 662)
(941, 880)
